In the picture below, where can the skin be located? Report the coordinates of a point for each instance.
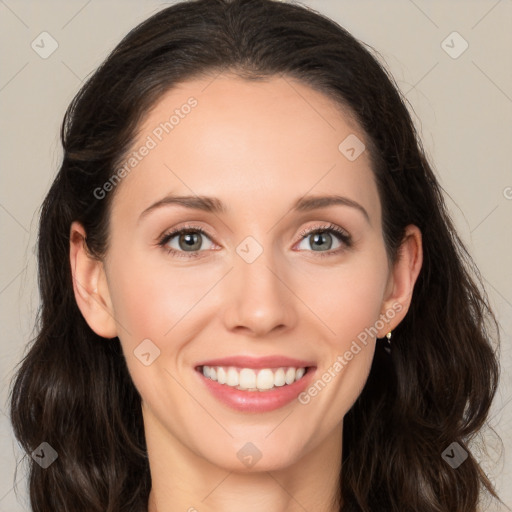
(258, 147)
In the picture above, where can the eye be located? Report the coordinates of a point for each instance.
(321, 237)
(187, 244)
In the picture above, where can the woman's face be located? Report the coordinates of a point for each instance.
(255, 295)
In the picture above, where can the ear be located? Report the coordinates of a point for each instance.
(402, 278)
(90, 285)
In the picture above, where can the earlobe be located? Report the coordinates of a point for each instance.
(90, 285)
(403, 278)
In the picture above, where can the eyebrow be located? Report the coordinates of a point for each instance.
(215, 205)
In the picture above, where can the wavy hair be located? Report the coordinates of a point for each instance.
(73, 390)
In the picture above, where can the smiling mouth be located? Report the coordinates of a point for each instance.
(249, 379)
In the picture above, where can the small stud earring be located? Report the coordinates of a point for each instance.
(387, 347)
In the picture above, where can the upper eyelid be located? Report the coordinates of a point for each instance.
(174, 232)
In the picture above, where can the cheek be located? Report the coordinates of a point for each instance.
(150, 297)
(149, 301)
(348, 299)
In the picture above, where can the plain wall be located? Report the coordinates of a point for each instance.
(462, 107)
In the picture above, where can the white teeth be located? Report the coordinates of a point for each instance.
(279, 378)
(248, 379)
(233, 378)
(290, 376)
(265, 379)
(221, 375)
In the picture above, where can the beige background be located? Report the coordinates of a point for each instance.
(462, 107)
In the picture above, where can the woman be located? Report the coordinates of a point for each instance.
(198, 348)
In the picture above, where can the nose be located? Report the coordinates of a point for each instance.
(258, 297)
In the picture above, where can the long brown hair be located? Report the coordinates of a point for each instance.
(73, 390)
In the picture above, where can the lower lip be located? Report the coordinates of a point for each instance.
(257, 401)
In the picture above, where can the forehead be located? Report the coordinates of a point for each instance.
(250, 143)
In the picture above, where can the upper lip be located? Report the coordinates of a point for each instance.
(258, 362)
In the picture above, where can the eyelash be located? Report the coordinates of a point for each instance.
(339, 233)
